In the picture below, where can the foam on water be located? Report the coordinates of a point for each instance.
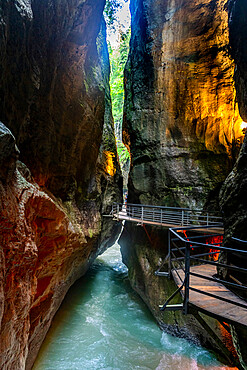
(103, 324)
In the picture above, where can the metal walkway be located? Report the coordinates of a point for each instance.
(165, 216)
(194, 246)
(211, 297)
(194, 261)
(206, 282)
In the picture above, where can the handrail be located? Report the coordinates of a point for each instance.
(164, 216)
(172, 296)
(175, 232)
(189, 245)
(167, 207)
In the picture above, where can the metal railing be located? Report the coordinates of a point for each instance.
(185, 251)
(164, 215)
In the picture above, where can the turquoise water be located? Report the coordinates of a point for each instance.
(103, 324)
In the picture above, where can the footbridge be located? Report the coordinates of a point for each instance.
(206, 282)
(210, 277)
(165, 216)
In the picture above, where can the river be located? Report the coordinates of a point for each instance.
(103, 324)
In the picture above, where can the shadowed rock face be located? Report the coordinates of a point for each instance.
(238, 41)
(180, 113)
(233, 193)
(54, 97)
(233, 199)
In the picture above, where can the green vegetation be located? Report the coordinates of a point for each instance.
(110, 11)
(123, 153)
(118, 54)
(118, 59)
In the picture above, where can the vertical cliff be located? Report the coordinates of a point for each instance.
(54, 97)
(233, 198)
(181, 115)
(238, 38)
(181, 121)
(233, 192)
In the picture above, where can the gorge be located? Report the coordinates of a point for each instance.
(185, 103)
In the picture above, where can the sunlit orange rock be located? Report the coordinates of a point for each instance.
(42, 255)
(110, 167)
(181, 110)
(45, 245)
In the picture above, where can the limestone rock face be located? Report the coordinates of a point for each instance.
(233, 192)
(181, 121)
(42, 253)
(181, 116)
(54, 97)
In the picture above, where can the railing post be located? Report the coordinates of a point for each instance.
(142, 214)
(182, 217)
(169, 253)
(161, 217)
(187, 278)
(207, 218)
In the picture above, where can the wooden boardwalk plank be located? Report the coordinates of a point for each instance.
(227, 311)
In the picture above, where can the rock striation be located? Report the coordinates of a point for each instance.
(55, 99)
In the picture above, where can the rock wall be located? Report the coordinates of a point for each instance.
(181, 121)
(54, 97)
(233, 193)
(55, 88)
(181, 116)
(233, 199)
(238, 39)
